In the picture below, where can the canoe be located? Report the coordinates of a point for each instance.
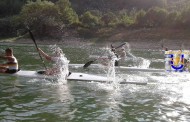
(74, 76)
(132, 69)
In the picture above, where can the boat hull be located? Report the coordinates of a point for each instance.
(122, 68)
(75, 76)
(72, 76)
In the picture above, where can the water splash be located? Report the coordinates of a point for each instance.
(61, 64)
(111, 66)
(111, 73)
(128, 50)
(139, 61)
(143, 63)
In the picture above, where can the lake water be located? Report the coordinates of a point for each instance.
(166, 98)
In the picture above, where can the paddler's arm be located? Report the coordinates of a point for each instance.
(44, 54)
(4, 65)
(3, 57)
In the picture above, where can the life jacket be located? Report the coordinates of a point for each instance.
(12, 64)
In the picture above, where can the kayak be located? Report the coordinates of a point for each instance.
(74, 76)
(132, 69)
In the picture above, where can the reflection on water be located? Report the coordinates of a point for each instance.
(165, 98)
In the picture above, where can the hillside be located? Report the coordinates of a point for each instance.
(91, 18)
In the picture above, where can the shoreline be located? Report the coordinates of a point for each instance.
(138, 39)
(134, 44)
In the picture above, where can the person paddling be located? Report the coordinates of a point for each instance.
(116, 56)
(105, 60)
(122, 54)
(59, 62)
(11, 66)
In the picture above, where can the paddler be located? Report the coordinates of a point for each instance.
(59, 60)
(186, 60)
(122, 53)
(177, 56)
(11, 66)
(114, 56)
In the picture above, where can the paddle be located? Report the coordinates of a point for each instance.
(31, 35)
(162, 44)
(90, 62)
(119, 45)
(182, 46)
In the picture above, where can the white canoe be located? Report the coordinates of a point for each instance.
(74, 76)
(122, 68)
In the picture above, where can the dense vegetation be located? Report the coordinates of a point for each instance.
(55, 18)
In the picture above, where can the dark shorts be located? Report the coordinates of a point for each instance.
(12, 71)
(116, 63)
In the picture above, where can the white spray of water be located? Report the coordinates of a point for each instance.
(111, 66)
(139, 61)
(144, 63)
(128, 49)
(61, 63)
(111, 71)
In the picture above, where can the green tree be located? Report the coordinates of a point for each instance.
(110, 19)
(156, 17)
(173, 19)
(42, 16)
(68, 15)
(88, 20)
(125, 19)
(140, 18)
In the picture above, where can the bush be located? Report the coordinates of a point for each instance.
(10, 7)
(10, 26)
(140, 18)
(173, 19)
(88, 20)
(68, 15)
(42, 16)
(125, 20)
(155, 17)
(109, 19)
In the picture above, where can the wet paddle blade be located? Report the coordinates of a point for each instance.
(112, 46)
(121, 45)
(88, 64)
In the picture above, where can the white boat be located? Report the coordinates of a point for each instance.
(73, 76)
(140, 69)
(122, 68)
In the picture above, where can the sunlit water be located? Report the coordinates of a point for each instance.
(166, 98)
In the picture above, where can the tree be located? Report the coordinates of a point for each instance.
(173, 19)
(10, 7)
(89, 20)
(140, 18)
(42, 16)
(125, 19)
(156, 17)
(68, 15)
(109, 19)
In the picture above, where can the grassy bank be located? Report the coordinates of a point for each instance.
(138, 38)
